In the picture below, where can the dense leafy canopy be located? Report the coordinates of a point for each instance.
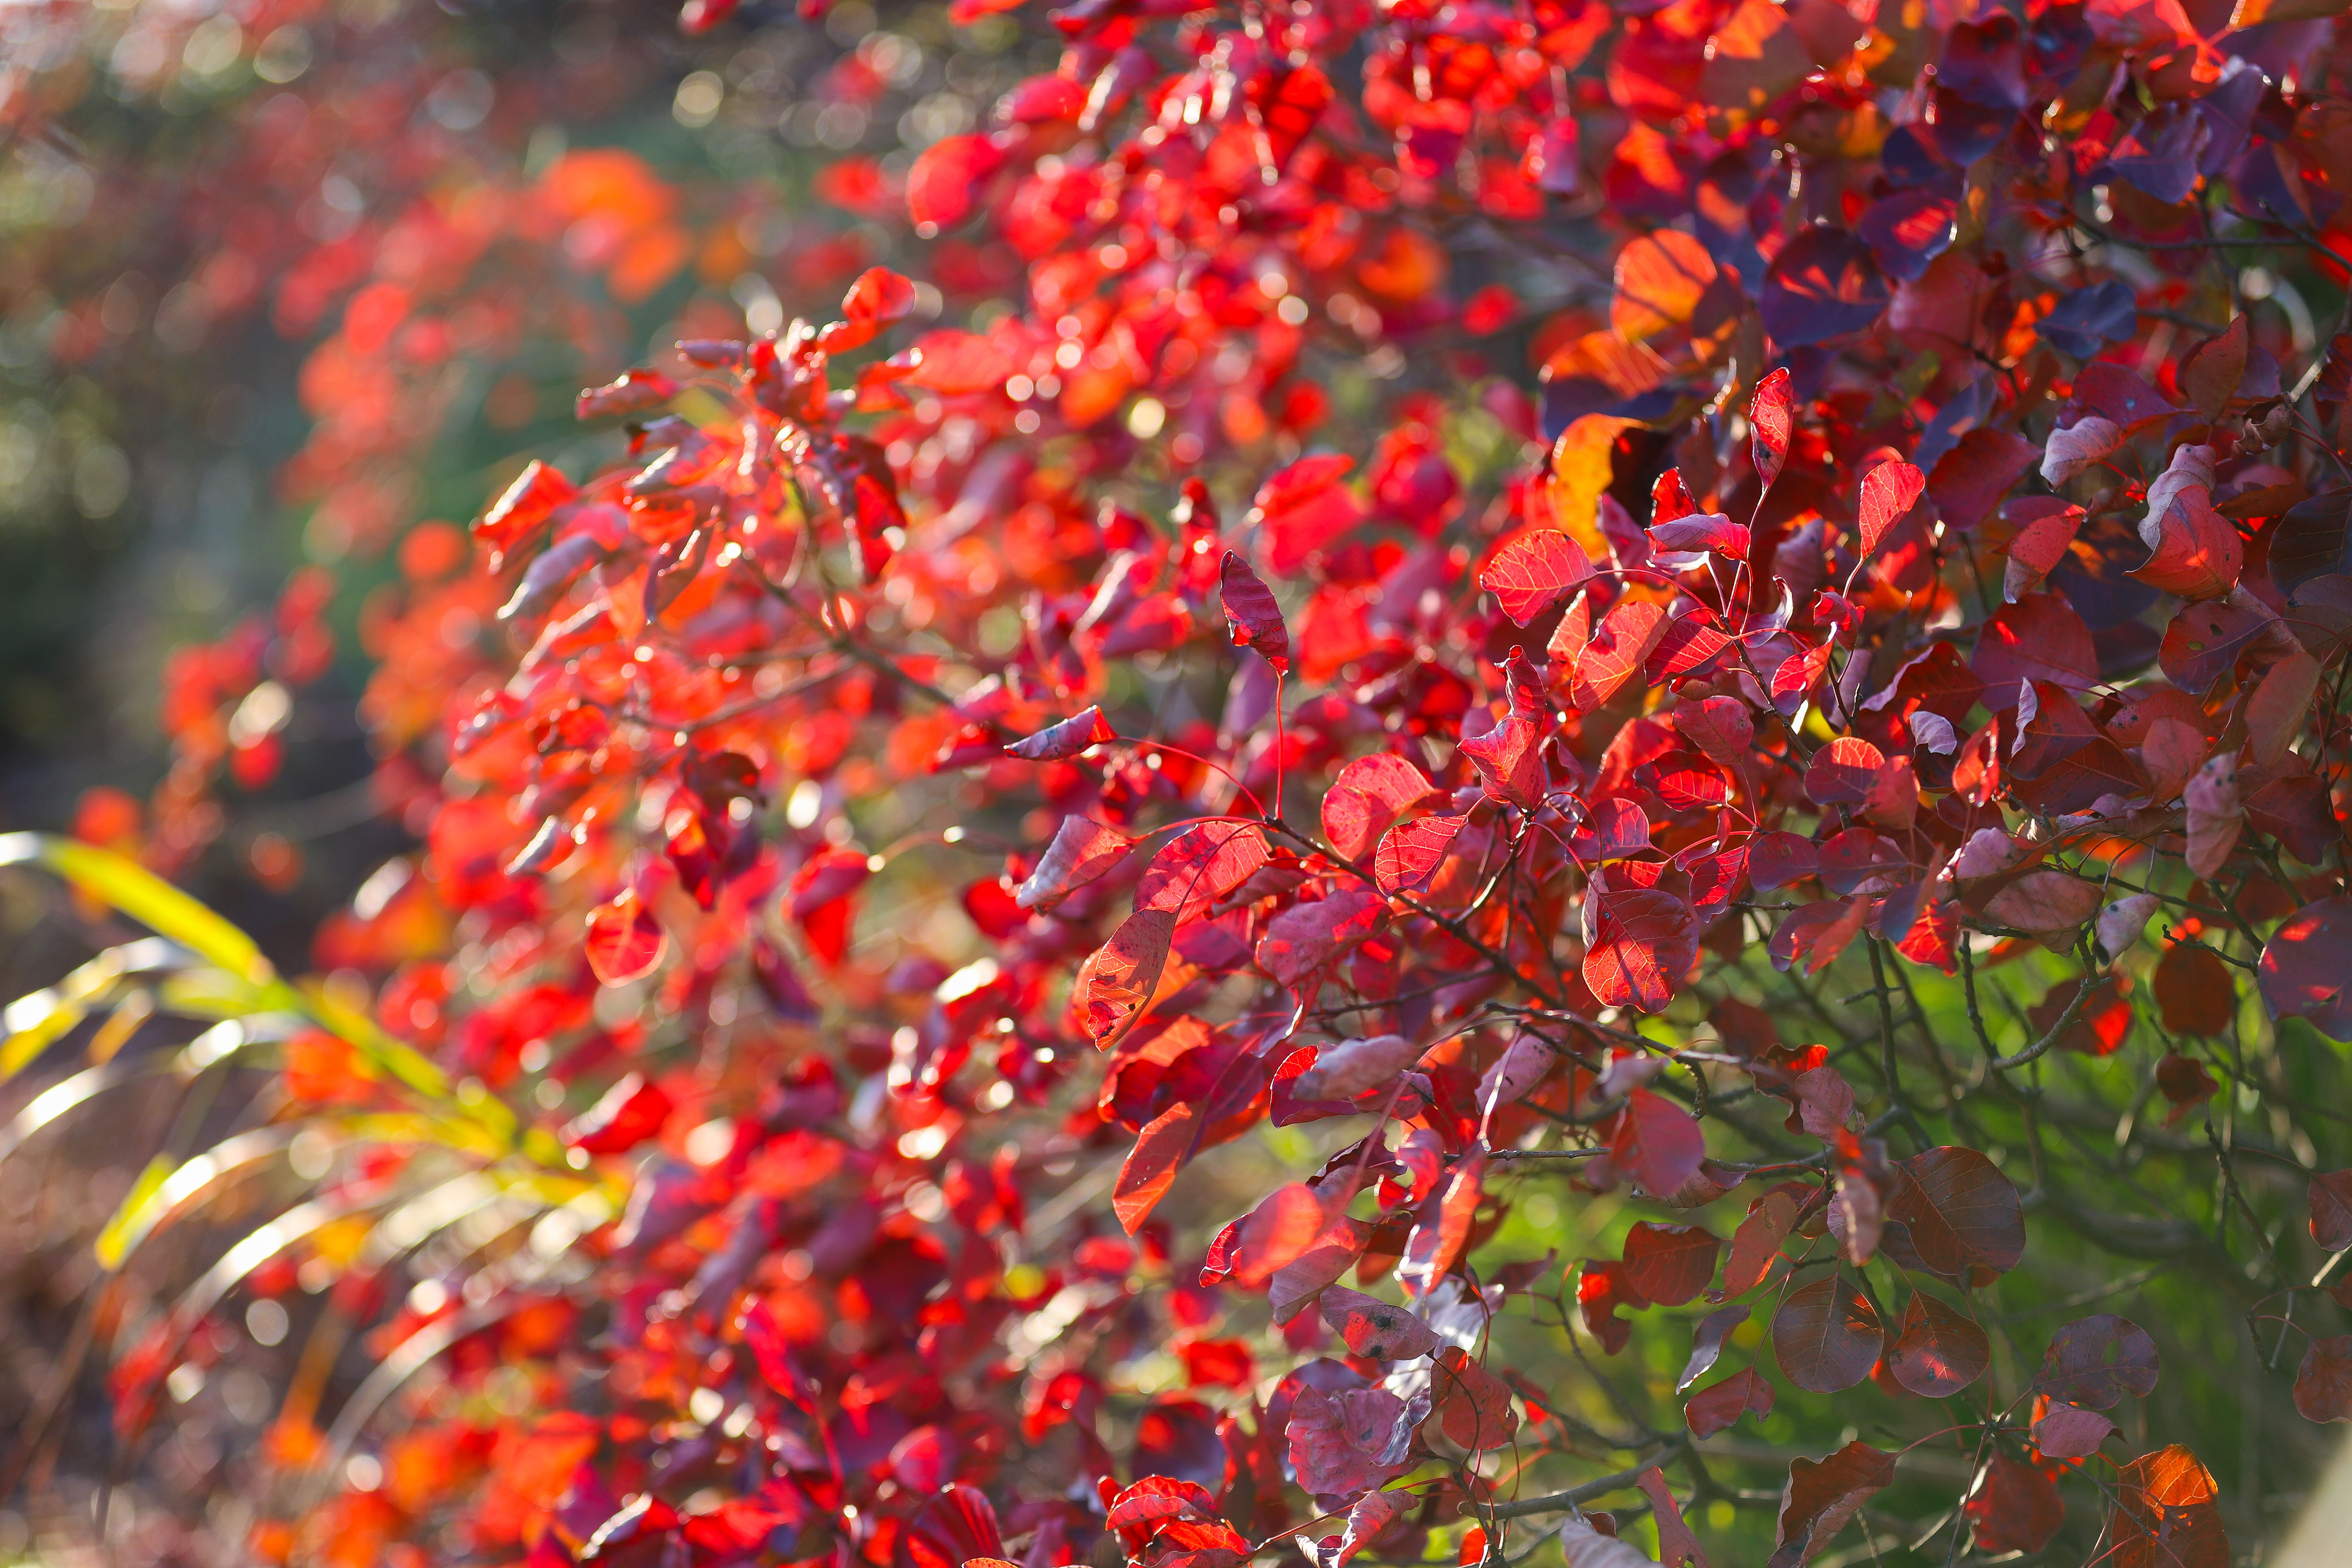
(1116, 897)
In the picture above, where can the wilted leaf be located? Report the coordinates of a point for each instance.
(1252, 616)
(1373, 1328)
(1082, 730)
(1820, 1496)
(1677, 1548)
(1082, 850)
(2078, 447)
(1718, 1405)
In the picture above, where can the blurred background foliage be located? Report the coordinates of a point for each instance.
(279, 280)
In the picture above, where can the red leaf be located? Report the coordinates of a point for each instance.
(2039, 637)
(1960, 1210)
(1443, 1225)
(1940, 1351)
(1345, 1444)
(631, 1111)
(2306, 965)
(1251, 615)
(2194, 992)
(1411, 852)
(1670, 1264)
(1706, 1344)
(1718, 1405)
(944, 183)
(2198, 553)
(2036, 549)
(1369, 793)
(1658, 1142)
(1374, 1330)
(1305, 1276)
(1509, 759)
(1644, 941)
(1304, 936)
(2065, 1431)
(2331, 1210)
(2095, 1361)
(1677, 1547)
(955, 364)
(1084, 729)
(1844, 771)
(1615, 653)
(2016, 1508)
(1616, 829)
(1082, 850)
(1689, 540)
(1356, 1067)
(1534, 569)
(2322, 1384)
(1888, 491)
(1816, 933)
(1776, 859)
(625, 942)
(1601, 1289)
(1200, 865)
(1160, 1151)
(1826, 1336)
(2279, 706)
(2165, 1514)
(1473, 1405)
(1285, 1224)
(879, 297)
(1770, 414)
(1117, 982)
(1758, 1241)
(1820, 1496)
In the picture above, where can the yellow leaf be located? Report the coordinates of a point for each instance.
(1581, 470)
(115, 1241)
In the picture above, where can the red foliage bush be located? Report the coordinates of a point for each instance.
(921, 815)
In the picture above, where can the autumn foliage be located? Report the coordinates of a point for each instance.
(1091, 931)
